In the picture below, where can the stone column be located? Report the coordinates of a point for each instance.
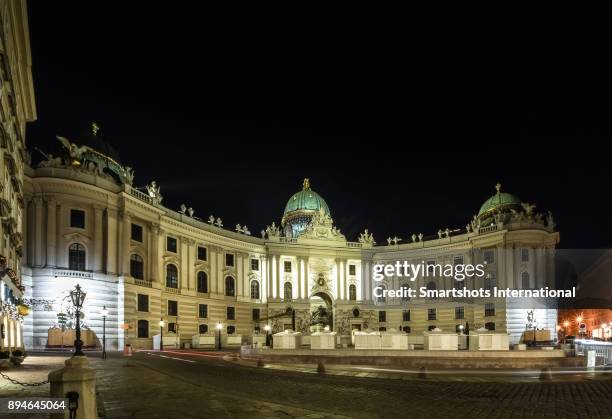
(212, 277)
(38, 233)
(299, 278)
(191, 255)
(126, 243)
(51, 233)
(263, 279)
(239, 274)
(278, 271)
(220, 266)
(154, 257)
(111, 241)
(98, 239)
(306, 278)
(61, 255)
(267, 279)
(246, 268)
(183, 263)
(338, 285)
(367, 293)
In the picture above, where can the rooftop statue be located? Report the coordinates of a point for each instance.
(154, 192)
(366, 238)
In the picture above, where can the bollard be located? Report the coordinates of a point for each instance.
(546, 374)
(78, 382)
(321, 367)
(422, 372)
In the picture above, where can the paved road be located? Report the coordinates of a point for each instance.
(373, 398)
(174, 385)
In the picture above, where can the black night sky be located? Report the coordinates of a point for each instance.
(403, 118)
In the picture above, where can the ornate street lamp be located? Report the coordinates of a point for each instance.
(78, 296)
(161, 333)
(104, 314)
(219, 327)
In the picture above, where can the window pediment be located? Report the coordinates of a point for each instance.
(76, 238)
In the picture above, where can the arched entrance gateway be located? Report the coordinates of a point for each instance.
(321, 311)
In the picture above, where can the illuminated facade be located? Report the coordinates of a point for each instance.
(16, 109)
(144, 262)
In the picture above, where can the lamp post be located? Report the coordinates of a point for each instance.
(219, 327)
(78, 296)
(161, 334)
(104, 314)
(267, 329)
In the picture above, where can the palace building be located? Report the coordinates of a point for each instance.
(86, 223)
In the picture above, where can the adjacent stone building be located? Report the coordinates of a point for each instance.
(16, 109)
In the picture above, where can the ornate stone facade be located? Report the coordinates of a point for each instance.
(145, 262)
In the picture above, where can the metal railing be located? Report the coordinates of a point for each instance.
(603, 350)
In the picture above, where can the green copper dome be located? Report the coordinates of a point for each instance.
(499, 201)
(300, 209)
(305, 200)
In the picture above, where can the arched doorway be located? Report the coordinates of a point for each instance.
(321, 311)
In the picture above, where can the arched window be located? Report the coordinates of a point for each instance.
(136, 266)
(203, 329)
(202, 282)
(231, 330)
(490, 326)
(171, 276)
(230, 287)
(255, 289)
(352, 292)
(288, 291)
(76, 257)
(525, 280)
(405, 296)
(382, 297)
(143, 329)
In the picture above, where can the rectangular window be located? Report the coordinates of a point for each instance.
(352, 269)
(254, 264)
(202, 253)
(172, 308)
(406, 315)
(229, 259)
(143, 329)
(143, 302)
(524, 255)
(382, 316)
(137, 233)
(458, 260)
(488, 256)
(172, 327)
(431, 314)
(489, 310)
(203, 311)
(171, 244)
(77, 218)
(231, 313)
(459, 313)
(287, 266)
(255, 314)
